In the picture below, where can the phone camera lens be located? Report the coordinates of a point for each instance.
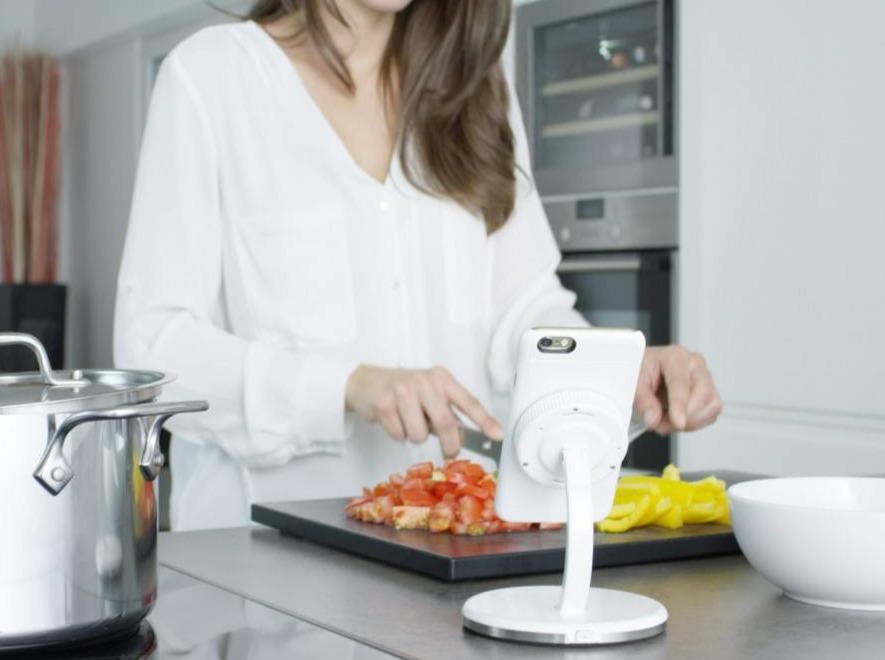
(545, 342)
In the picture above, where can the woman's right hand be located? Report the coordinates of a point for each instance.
(412, 403)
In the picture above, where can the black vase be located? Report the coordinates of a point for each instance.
(39, 310)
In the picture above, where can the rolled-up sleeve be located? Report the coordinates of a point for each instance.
(267, 403)
(525, 290)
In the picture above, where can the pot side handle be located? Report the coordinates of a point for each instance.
(54, 472)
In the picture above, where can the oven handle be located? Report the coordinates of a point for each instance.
(599, 265)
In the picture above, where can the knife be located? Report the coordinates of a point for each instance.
(478, 442)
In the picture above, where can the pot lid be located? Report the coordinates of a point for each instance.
(48, 391)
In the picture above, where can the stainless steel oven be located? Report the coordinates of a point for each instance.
(596, 82)
(627, 290)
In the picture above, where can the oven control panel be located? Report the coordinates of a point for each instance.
(637, 220)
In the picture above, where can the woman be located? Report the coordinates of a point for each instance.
(335, 240)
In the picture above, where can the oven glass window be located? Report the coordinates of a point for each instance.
(597, 93)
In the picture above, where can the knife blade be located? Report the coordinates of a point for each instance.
(478, 442)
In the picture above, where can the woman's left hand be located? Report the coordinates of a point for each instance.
(675, 391)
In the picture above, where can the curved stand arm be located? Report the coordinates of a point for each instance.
(579, 530)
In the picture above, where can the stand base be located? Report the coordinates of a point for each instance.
(531, 614)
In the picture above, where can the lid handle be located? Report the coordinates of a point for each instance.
(22, 339)
(54, 472)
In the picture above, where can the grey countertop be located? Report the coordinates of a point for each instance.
(719, 607)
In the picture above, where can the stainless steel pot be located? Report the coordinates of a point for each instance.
(79, 454)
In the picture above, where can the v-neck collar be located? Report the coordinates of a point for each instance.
(288, 70)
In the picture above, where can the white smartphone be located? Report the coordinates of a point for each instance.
(578, 381)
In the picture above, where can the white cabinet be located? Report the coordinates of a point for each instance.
(782, 276)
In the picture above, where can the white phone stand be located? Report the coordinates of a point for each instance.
(575, 448)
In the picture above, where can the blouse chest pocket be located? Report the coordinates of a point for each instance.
(465, 245)
(299, 267)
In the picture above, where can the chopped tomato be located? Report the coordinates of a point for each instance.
(417, 497)
(355, 502)
(478, 528)
(383, 489)
(440, 488)
(420, 471)
(414, 484)
(439, 524)
(444, 509)
(474, 471)
(396, 479)
(455, 477)
(470, 489)
(469, 509)
(450, 497)
(458, 527)
(457, 466)
(488, 482)
(386, 502)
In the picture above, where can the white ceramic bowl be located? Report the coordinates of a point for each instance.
(821, 539)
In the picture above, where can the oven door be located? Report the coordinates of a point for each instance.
(627, 290)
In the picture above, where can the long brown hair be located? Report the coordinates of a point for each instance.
(451, 98)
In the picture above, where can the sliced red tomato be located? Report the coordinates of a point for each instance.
(439, 524)
(386, 502)
(355, 502)
(470, 489)
(488, 482)
(458, 527)
(396, 479)
(414, 484)
(444, 509)
(474, 471)
(455, 477)
(417, 497)
(420, 471)
(478, 528)
(450, 497)
(469, 509)
(459, 465)
(440, 488)
(383, 489)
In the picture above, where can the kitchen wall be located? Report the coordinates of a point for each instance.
(782, 227)
(16, 22)
(107, 63)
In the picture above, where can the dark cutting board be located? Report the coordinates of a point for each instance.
(450, 557)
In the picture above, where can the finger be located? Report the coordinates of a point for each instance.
(664, 427)
(470, 406)
(649, 406)
(391, 423)
(412, 414)
(676, 372)
(442, 421)
(709, 414)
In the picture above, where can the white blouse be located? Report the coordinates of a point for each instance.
(262, 265)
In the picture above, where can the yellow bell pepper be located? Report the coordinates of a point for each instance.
(666, 501)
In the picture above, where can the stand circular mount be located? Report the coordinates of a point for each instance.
(584, 445)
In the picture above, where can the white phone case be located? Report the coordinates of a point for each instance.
(557, 394)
